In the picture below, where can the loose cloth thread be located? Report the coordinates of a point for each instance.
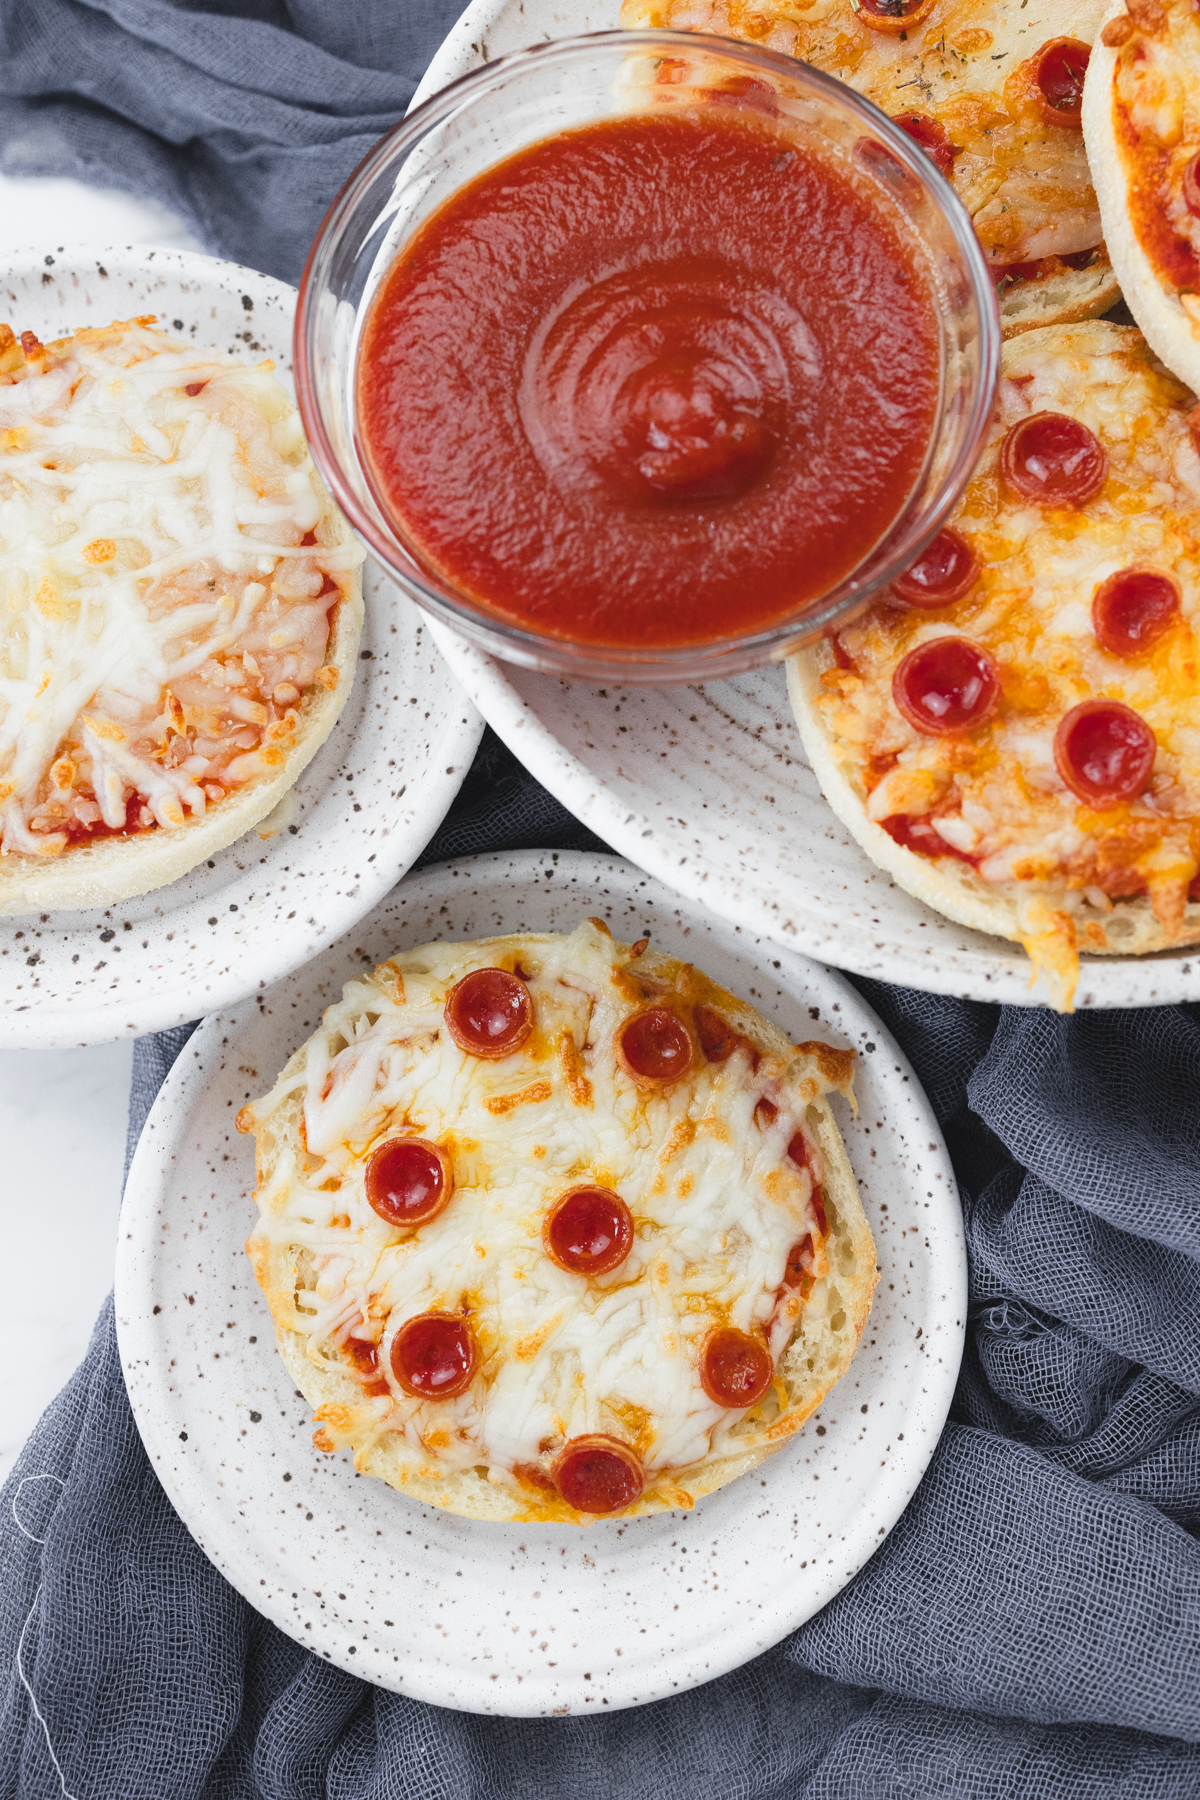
(1032, 1626)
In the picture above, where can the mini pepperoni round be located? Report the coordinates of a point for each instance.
(489, 1013)
(589, 1231)
(735, 1370)
(1191, 186)
(932, 136)
(1054, 459)
(1058, 76)
(945, 685)
(1133, 609)
(598, 1474)
(655, 1048)
(409, 1181)
(804, 1155)
(892, 16)
(433, 1356)
(943, 572)
(1104, 752)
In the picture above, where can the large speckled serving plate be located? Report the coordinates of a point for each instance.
(525, 1619)
(366, 805)
(709, 788)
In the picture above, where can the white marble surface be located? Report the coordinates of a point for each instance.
(62, 1112)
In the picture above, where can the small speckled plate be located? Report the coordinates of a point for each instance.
(523, 1619)
(366, 805)
(709, 788)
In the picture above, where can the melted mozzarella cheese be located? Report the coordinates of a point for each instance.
(996, 793)
(1024, 182)
(717, 1205)
(161, 612)
(1157, 85)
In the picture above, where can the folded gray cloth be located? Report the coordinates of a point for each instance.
(243, 118)
(1029, 1631)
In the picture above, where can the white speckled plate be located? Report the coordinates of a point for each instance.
(523, 1619)
(708, 788)
(368, 802)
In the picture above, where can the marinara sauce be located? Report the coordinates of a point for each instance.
(658, 381)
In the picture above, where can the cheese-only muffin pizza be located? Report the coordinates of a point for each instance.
(989, 89)
(180, 609)
(1013, 732)
(1141, 118)
(553, 1227)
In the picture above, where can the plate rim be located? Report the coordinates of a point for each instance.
(74, 1022)
(1004, 981)
(156, 1409)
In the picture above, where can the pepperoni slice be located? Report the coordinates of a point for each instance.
(735, 1370)
(798, 1151)
(1105, 752)
(489, 1013)
(718, 1039)
(1058, 76)
(912, 831)
(1191, 186)
(795, 1270)
(598, 1474)
(589, 1231)
(654, 1048)
(1133, 609)
(1054, 459)
(433, 1356)
(933, 138)
(409, 1181)
(893, 16)
(948, 684)
(943, 572)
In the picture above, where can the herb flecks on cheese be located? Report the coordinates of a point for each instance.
(994, 794)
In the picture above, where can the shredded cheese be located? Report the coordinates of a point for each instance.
(717, 1205)
(165, 598)
(995, 792)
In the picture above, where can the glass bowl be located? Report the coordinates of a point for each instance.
(486, 116)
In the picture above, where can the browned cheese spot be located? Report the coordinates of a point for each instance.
(836, 1066)
(500, 1104)
(388, 977)
(571, 1063)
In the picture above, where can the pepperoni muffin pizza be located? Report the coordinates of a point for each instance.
(555, 1228)
(990, 90)
(179, 610)
(1142, 124)
(1012, 732)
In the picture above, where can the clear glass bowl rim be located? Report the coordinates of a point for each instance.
(568, 656)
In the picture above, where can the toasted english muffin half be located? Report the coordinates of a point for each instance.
(980, 819)
(180, 610)
(644, 1262)
(966, 79)
(1141, 121)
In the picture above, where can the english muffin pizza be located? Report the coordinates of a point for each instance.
(180, 609)
(1141, 119)
(1013, 732)
(989, 89)
(555, 1228)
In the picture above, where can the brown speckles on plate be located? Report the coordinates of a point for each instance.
(234, 924)
(485, 1616)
